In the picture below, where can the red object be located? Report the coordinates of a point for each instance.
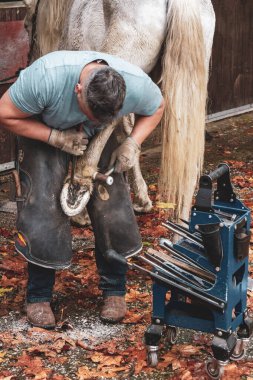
(14, 46)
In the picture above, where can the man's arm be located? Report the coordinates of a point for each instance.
(125, 156)
(144, 125)
(21, 123)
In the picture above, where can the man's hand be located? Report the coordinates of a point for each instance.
(70, 141)
(125, 156)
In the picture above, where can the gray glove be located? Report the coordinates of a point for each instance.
(125, 156)
(70, 141)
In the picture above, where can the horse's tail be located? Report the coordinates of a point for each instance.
(49, 20)
(184, 82)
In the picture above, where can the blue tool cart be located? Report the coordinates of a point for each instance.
(205, 273)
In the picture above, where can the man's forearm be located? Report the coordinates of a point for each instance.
(29, 127)
(146, 124)
(21, 123)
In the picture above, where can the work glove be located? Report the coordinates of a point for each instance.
(70, 141)
(125, 156)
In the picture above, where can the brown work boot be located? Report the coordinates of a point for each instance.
(40, 314)
(113, 309)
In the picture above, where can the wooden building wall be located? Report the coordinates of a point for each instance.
(231, 80)
(14, 49)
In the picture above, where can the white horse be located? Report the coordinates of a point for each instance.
(180, 32)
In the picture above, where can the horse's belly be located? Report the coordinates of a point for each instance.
(86, 27)
(132, 30)
(136, 31)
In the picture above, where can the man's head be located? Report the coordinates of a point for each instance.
(102, 92)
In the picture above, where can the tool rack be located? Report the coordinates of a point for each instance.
(205, 273)
(208, 279)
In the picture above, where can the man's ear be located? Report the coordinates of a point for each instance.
(78, 88)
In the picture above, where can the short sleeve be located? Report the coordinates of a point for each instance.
(30, 93)
(151, 98)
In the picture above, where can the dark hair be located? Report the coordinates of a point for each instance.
(105, 93)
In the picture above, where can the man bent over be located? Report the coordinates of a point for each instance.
(57, 93)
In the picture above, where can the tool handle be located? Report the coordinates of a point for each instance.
(103, 178)
(112, 257)
(223, 193)
(219, 172)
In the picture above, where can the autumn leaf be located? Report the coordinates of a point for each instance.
(43, 375)
(28, 361)
(106, 360)
(85, 373)
(3, 291)
(186, 350)
(152, 187)
(176, 364)
(186, 375)
(135, 295)
(165, 205)
(6, 233)
(42, 349)
(2, 355)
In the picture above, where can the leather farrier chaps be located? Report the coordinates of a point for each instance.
(44, 236)
(43, 229)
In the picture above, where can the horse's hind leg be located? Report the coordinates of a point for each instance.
(142, 202)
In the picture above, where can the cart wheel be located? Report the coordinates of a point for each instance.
(239, 351)
(214, 369)
(171, 335)
(152, 358)
(239, 356)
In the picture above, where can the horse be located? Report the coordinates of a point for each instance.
(175, 35)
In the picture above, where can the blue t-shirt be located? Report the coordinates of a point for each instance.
(47, 88)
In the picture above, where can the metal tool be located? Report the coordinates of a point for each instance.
(104, 177)
(183, 232)
(183, 262)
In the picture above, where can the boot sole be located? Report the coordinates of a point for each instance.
(112, 321)
(46, 327)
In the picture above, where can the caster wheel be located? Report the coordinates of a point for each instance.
(239, 351)
(238, 356)
(214, 370)
(171, 335)
(152, 359)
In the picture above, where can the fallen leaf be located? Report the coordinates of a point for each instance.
(105, 360)
(3, 291)
(165, 205)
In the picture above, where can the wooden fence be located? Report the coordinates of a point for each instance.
(231, 80)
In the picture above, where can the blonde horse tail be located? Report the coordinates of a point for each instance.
(184, 83)
(49, 26)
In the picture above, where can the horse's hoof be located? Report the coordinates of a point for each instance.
(74, 199)
(143, 207)
(81, 220)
